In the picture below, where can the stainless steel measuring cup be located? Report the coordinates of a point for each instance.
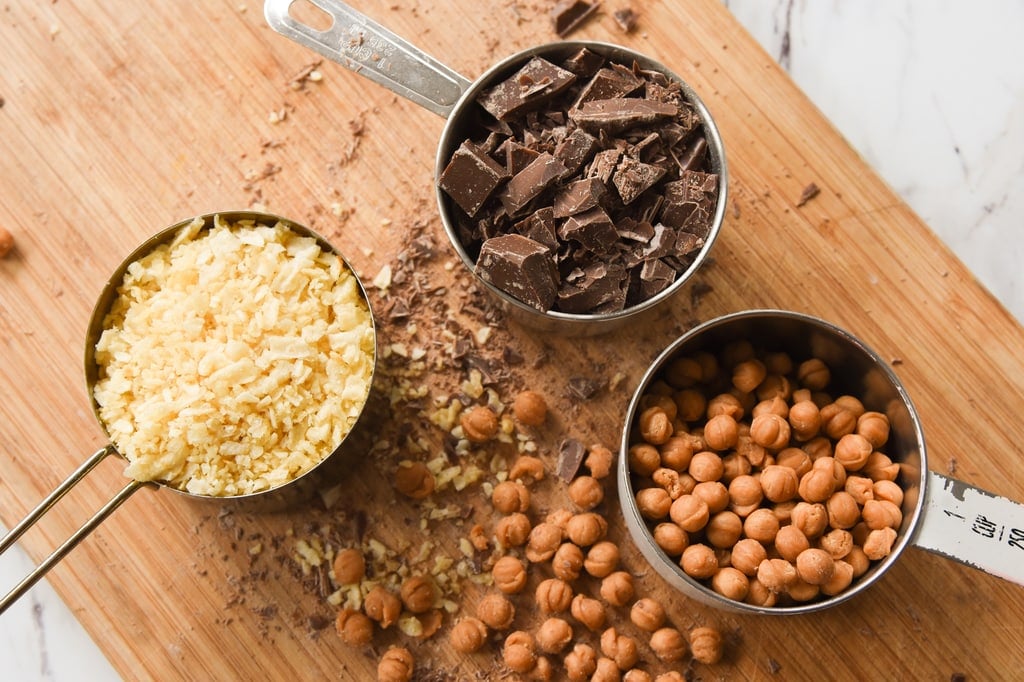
(372, 51)
(275, 498)
(940, 514)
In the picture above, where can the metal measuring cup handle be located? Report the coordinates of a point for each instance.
(364, 46)
(973, 526)
(72, 542)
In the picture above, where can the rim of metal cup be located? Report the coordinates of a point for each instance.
(882, 391)
(453, 135)
(274, 497)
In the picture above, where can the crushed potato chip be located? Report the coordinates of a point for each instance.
(234, 359)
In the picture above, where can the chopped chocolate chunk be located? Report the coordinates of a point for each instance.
(540, 227)
(603, 172)
(604, 165)
(575, 149)
(810, 191)
(580, 196)
(655, 276)
(517, 156)
(633, 178)
(625, 18)
(610, 83)
(693, 157)
(635, 230)
(570, 456)
(529, 182)
(528, 89)
(583, 388)
(601, 285)
(616, 115)
(592, 229)
(521, 268)
(470, 178)
(584, 63)
(568, 15)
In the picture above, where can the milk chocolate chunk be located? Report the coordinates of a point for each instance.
(540, 227)
(470, 178)
(570, 456)
(655, 277)
(604, 165)
(602, 286)
(593, 230)
(521, 267)
(584, 62)
(528, 183)
(568, 15)
(528, 89)
(632, 178)
(576, 149)
(616, 115)
(517, 156)
(609, 83)
(578, 197)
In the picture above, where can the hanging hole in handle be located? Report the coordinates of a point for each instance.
(306, 12)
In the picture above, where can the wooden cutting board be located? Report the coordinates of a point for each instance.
(121, 118)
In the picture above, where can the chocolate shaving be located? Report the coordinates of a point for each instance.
(625, 18)
(583, 387)
(810, 191)
(568, 15)
(570, 456)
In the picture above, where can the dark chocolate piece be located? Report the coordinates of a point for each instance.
(604, 165)
(470, 178)
(601, 285)
(568, 15)
(625, 18)
(810, 191)
(570, 456)
(530, 182)
(655, 277)
(528, 89)
(593, 230)
(540, 227)
(632, 178)
(609, 83)
(517, 156)
(584, 63)
(616, 115)
(584, 388)
(635, 230)
(575, 150)
(521, 267)
(580, 196)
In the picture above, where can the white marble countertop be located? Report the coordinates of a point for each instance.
(930, 94)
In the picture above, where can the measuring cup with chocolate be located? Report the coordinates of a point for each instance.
(581, 182)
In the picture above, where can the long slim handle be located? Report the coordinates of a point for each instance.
(973, 526)
(69, 544)
(366, 47)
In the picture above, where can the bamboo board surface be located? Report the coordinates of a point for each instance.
(119, 119)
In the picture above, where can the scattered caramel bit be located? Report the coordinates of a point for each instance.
(468, 635)
(479, 424)
(530, 408)
(349, 566)
(396, 665)
(414, 480)
(354, 627)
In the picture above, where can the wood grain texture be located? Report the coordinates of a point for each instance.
(120, 118)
